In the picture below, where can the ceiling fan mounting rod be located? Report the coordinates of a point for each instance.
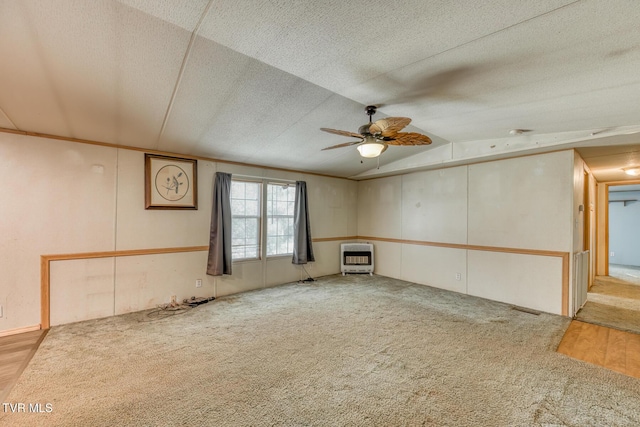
(371, 110)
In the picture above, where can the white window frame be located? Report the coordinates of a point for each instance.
(263, 219)
(259, 236)
(269, 219)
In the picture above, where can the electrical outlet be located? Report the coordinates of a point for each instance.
(198, 283)
(613, 254)
(458, 276)
(173, 299)
(1, 311)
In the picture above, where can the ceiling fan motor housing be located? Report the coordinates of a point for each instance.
(364, 129)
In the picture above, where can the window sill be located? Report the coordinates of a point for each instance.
(245, 260)
(275, 257)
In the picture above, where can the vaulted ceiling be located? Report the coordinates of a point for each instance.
(252, 81)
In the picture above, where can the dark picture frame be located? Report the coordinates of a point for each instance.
(170, 182)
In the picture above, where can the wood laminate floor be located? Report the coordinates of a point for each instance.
(16, 352)
(610, 348)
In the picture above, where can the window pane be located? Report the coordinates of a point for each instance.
(252, 191)
(271, 246)
(280, 208)
(272, 229)
(237, 228)
(245, 222)
(251, 252)
(252, 208)
(237, 189)
(270, 204)
(237, 207)
(252, 227)
(288, 227)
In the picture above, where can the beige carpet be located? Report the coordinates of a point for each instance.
(352, 351)
(613, 302)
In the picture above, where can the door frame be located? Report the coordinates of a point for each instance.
(602, 223)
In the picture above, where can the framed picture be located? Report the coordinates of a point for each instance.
(170, 182)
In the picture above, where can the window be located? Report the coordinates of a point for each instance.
(280, 206)
(247, 212)
(245, 220)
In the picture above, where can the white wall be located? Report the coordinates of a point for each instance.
(523, 203)
(59, 197)
(63, 197)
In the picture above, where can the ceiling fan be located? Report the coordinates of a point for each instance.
(375, 137)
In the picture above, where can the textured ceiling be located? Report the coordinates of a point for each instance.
(253, 80)
(606, 162)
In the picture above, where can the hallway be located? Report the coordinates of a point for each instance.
(614, 300)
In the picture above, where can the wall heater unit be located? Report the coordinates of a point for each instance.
(356, 258)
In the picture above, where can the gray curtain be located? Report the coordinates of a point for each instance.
(219, 261)
(302, 248)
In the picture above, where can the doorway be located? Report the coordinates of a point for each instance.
(614, 298)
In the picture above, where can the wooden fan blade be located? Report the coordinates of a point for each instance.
(389, 127)
(346, 144)
(410, 138)
(342, 132)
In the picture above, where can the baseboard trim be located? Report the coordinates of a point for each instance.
(17, 331)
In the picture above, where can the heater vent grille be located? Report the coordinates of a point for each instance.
(356, 258)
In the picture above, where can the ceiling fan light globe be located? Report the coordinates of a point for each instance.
(370, 149)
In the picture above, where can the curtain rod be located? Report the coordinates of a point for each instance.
(262, 178)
